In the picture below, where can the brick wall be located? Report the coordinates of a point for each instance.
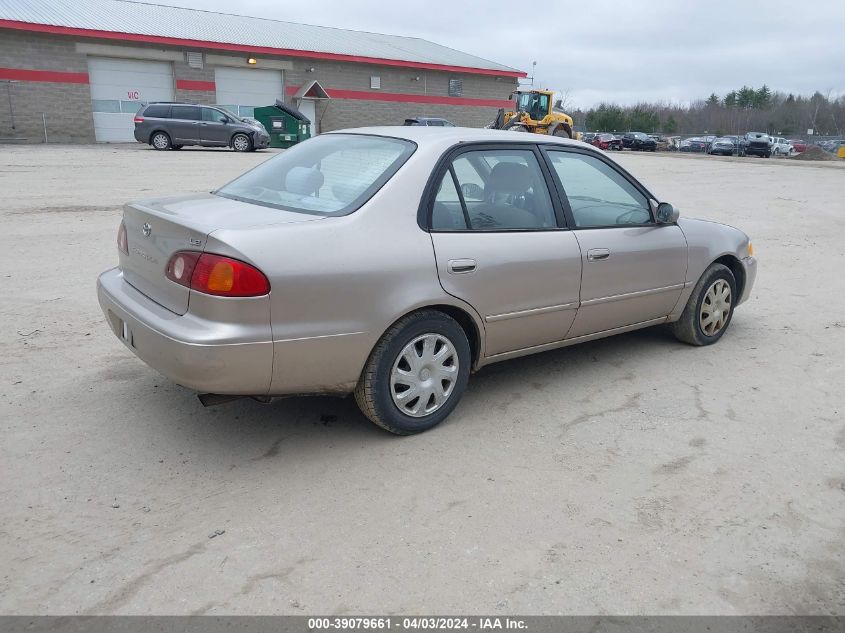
(67, 106)
(343, 113)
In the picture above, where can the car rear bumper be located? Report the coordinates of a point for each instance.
(205, 356)
(749, 266)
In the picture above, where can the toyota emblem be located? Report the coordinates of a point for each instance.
(146, 229)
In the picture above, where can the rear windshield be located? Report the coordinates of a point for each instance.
(333, 174)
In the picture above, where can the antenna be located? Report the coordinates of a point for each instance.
(529, 81)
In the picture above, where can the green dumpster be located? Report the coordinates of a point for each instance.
(286, 125)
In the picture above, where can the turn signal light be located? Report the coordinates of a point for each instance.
(122, 240)
(216, 275)
(750, 250)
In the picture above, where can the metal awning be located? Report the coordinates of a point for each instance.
(311, 90)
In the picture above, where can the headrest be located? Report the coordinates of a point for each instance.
(510, 178)
(304, 181)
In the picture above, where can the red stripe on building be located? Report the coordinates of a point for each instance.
(187, 84)
(50, 76)
(267, 50)
(363, 95)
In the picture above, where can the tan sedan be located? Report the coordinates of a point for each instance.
(392, 262)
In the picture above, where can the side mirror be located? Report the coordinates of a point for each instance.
(666, 213)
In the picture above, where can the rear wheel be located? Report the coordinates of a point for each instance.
(160, 141)
(709, 309)
(241, 143)
(416, 374)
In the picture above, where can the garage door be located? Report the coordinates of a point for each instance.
(242, 89)
(118, 87)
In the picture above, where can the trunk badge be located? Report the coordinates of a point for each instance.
(146, 229)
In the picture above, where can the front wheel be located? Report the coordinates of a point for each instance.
(241, 143)
(709, 308)
(416, 374)
(563, 130)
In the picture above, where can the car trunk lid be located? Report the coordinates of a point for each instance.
(159, 227)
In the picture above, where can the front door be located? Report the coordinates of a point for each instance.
(214, 127)
(633, 268)
(500, 247)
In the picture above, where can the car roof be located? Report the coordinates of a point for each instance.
(422, 135)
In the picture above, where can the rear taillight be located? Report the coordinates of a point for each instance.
(122, 240)
(216, 275)
(138, 119)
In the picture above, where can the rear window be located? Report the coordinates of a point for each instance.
(157, 111)
(333, 174)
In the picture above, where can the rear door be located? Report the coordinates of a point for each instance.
(184, 126)
(633, 268)
(501, 245)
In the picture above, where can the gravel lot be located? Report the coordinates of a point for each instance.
(625, 476)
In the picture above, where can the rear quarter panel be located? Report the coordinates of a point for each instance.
(337, 284)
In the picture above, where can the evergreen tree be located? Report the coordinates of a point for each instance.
(670, 125)
(763, 98)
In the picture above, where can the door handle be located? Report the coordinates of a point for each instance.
(461, 266)
(597, 254)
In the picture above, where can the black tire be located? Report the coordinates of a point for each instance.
(160, 141)
(242, 143)
(563, 130)
(374, 391)
(688, 328)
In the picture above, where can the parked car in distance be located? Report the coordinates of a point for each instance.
(798, 145)
(174, 125)
(758, 144)
(588, 137)
(607, 142)
(429, 121)
(726, 146)
(639, 142)
(391, 263)
(696, 144)
(781, 146)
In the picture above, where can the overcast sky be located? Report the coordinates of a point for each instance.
(610, 50)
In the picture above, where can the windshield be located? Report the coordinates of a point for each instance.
(228, 113)
(535, 104)
(332, 174)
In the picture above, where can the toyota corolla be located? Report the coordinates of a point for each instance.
(392, 262)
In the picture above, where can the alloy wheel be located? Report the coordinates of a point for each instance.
(424, 375)
(241, 143)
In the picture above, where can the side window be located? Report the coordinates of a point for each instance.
(448, 212)
(187, 113)
(498, 189)
(598, 195)
(212, 115)
(157, 111)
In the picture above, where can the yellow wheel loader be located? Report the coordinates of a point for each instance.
(533, 112)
